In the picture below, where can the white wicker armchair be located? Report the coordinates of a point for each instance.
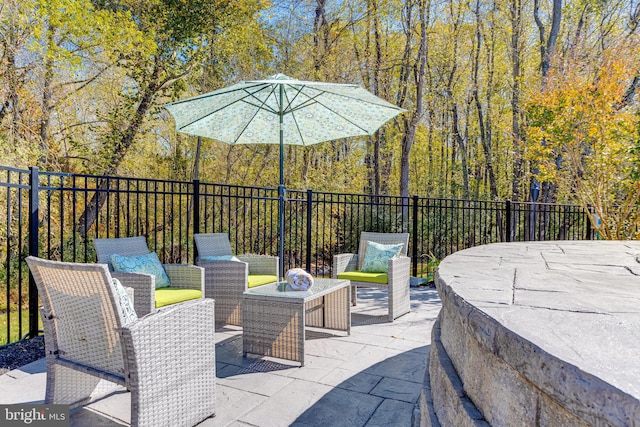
(87, 340)
(397, 281)
(226, 280)
(181, 276)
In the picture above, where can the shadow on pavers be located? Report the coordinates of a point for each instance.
(385, 394)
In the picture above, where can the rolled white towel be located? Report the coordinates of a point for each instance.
(299, 279)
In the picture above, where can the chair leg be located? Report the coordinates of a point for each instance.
(354, 291)
(68, 386)
(399, 301)
(391, 295)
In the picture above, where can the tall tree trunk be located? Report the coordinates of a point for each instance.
(445, 166)
(376, 172)
(547, 51)
(548, 46)
(410, 119)
(459, 141)
(45, 120)
(375, 88)
(484, 126)
(90, 214)
(13, 82)
(629, 94)
(430, 156)
(364, 58)
(319, 41)
(195, 170)
(414, 117)
(451, 121)
(516, 108)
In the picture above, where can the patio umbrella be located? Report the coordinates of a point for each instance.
(281, 110)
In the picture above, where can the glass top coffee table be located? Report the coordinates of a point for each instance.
(274, 316)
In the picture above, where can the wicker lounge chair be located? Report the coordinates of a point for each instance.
(187, 281)
(226, 280)
(87, 340)
(396, 281)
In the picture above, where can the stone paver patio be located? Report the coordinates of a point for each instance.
(373, 377)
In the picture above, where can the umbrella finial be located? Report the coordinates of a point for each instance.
(279, 76)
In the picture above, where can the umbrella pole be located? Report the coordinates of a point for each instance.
(281, 189)
(281, 195)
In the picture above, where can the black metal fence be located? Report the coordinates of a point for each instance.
(57, 216)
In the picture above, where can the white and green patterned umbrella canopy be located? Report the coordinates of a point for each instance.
(249, 112)
(282, 110)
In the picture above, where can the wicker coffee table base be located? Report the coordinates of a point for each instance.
(275, 326)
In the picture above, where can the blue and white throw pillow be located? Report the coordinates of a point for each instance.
(128, 312)
(377, 256)
(149, 264)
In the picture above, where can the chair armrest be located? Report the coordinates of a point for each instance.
(177, 341)
(344, 262)
(224, 274)
(144, 286)
(399, 298)
(185, 276)
(261, 264)
(399, 268)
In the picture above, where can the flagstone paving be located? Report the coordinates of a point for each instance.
(372, 377)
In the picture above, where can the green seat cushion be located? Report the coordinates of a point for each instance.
(167, 296)
(361, 276)
(254, 280)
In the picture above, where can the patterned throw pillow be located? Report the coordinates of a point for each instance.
(128, 312)
(149, 264)
(377, 256)
(219, 258)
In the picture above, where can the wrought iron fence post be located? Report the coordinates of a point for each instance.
(309, 213)
(196, 214)
(508, 220)
(589, 230)
(414, 252)
(33, 248)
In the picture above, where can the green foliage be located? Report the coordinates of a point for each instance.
(584, 139)
(98, 73)
(427, 268)
(17, 331)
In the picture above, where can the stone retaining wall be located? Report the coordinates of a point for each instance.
(494, 357)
